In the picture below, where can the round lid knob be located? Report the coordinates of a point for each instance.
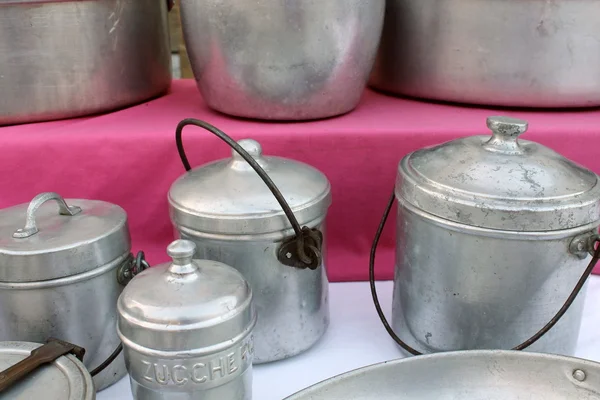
(505, 132)
(251, 146)
(182, 251)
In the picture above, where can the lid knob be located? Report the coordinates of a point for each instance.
(182, 252)
(251, 146)
(505, 132)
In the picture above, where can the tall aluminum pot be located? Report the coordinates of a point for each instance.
(226, 208)
(62, 270)
(282, 60)
(493, 235)
(186, 328)
(534, 53)
(65, 58)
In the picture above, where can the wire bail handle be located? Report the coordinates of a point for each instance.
(594, 250)
(302, 251)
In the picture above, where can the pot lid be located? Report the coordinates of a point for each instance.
(500, 182)
(228, 196)
(185, 305)
(40, 241)
(64, 379)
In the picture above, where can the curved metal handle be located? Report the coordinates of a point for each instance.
(304, 250)
(522, 346)
(31, 228)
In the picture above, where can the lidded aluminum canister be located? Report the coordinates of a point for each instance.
(61, 264)
(186, 328)
(226, 208)
(65, 378)
(493, 235)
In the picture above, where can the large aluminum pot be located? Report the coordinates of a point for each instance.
(65, 58)
(277, 243)
(534, 53)
(493, 238)
(466, 375)
(282, 60)
(186, 328)
(62, 270)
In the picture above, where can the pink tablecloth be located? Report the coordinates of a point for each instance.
(129, 158)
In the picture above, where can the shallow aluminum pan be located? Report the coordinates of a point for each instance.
(466, 375)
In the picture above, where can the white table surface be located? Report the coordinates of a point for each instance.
(355, 339)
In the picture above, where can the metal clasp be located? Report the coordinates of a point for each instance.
(583, 245)
(303, 251)
(131, 267)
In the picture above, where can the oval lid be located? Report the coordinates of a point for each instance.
(500, 182)
(228, 196)
(64, 379)
(186, 305)
(40, 241)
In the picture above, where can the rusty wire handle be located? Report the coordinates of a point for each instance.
(522, 346)
(305, 237)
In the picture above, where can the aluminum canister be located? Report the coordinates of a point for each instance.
(229, 212)
(66, 378)
(186, 328)
(59, 276)
(493, 235)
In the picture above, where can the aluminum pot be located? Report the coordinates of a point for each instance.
(493, 238)
(61, 273)
(187, 329)
(65, 58)
(226, 208)
(466, 375)
(535, 53)
(62, 378)
(282, 60)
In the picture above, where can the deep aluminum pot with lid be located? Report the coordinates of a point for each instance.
(66, 378)
(282, 60)
(493, 238)
(63, 264)
(534, 53)
(186, 328)
(66, 58)
(226, 208)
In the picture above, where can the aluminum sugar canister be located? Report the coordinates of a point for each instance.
(186, 328)
(63, 264)
(232, 214)
(493, 237)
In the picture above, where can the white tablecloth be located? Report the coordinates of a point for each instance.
(355, 339)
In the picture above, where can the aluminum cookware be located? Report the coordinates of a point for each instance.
(66, 58)
(61, 272)
(466, 375)
(282, 60)
(493, 238)
(534, 53)
(66, 378)
(226, 208)
(187, 329)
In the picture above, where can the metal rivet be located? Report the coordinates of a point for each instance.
(579, 375)
(288, 255)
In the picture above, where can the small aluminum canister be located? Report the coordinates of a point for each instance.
(232, 216)
(59, 276)
(66, 378)
(186, 328)
(493, 234)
